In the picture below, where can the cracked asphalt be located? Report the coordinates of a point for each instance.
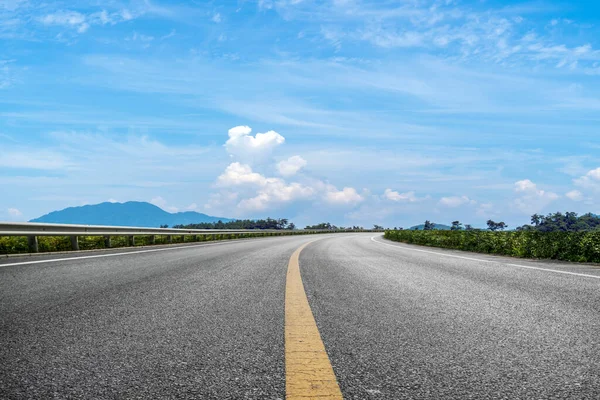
(208, 322)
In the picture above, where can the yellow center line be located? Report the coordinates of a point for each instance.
(309, 374)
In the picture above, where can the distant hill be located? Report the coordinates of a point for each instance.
(132, 213)
(440, 227)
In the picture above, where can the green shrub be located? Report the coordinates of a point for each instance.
(567, 246)
(15, 245)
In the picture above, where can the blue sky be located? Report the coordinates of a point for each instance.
(354, 112)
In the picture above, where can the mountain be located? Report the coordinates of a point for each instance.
(132, 213)
(439, 227)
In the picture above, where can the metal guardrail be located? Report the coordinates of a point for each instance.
(33, 230)
(40, 229)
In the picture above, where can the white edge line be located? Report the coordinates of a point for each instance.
(485, 261)
(114, 254)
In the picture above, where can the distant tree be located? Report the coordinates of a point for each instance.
(268, 223)
(377, 227)
(429, 226)
(567, 222)
(291, 226)
(468, 227)
(495, 226)
(164, 226)
(322, 226)
(456, 226)
(524, 228)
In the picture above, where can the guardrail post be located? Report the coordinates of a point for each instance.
(75, 243)
(170, 238)
(132, 241)
(182, 238)
(32, 241)
(153, 239)
(108, 242)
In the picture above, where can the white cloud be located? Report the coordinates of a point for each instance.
(455, 201)
(242, 144)
(216, 18)
(291, 166)
(276, 192)
(162, 203)
(346, 196)
(82, 22)
(400, 197)
(239, 174)
(575, 195)
(532, 198)
(14, 212)
(126, 15)
(525, 186)
(63, 18)
(265, 191)
(159, 201)
(591, 180)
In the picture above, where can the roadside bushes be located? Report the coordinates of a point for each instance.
(18, 244)
(567, 246)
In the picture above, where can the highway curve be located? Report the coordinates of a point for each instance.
(209, 321)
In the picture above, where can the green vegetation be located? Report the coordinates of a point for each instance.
(559, 222)
(268, 223)
(581, 246)
(330, 227)
(18, 244)
(557, 236)
(429, 226)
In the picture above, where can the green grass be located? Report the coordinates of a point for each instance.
(566, 246)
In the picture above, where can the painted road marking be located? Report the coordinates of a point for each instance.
(309, 374)
(118, 254)
(486, 261)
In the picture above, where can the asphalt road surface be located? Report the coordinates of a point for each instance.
(207, 321)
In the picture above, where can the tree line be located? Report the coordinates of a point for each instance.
(269, 223)
(553, 222)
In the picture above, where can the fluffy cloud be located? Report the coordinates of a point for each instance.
(246, 190)
(346, 196)
(291, 166)
(575, 195)
(267, 191)
(240, 174)
(532, 198)
(525, 186)
(247, 147)
(455, 201)
(162, 203)
(400, 197)
(276, 192)
(591, 180)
